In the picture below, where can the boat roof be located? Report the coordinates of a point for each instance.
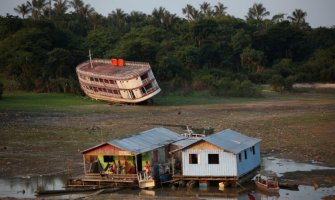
(105, 67)
(229, 140)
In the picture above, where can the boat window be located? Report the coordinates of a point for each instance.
(193, 158)
(148, 87)
(100, 79)
(213, 158)
(96, 79)
(131, 93)
(106, 81)
(144, 76)
(245, 154)
(91, 79)
(253, 150)
(143, 90)
(239, 157)
(111, 81)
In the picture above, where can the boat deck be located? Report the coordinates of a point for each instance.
(130, 69)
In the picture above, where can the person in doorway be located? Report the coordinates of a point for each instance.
(147, 168)
(119, 167)
(114, 167)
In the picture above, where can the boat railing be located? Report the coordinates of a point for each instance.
(190, 134)
(143, 176)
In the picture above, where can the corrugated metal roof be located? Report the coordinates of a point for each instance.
(232, 141)
(186, 142)
(147, 140)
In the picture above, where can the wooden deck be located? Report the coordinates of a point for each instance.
(97, 180)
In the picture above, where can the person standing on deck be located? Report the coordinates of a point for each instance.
(147, 167)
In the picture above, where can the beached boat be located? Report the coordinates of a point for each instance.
(117, 80)
(267, 183)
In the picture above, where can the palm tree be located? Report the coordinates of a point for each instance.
(158, 14)
(278, 18)
(77, 5)
(60, 7)
(86, 11)
(118, 18)
(220, 9)
(136, 17)
(206, 9)
(298, 17)
(257, 12)
(187, 11)
(22, 9)
(36, 7)
(190, 12)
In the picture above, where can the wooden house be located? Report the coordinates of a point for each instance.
(131, 153)
(224, 156)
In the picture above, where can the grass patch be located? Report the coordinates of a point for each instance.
(27, 101)
(198, 98)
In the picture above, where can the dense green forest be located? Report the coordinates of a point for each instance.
(208, 49)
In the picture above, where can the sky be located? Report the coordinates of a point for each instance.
(319, 13)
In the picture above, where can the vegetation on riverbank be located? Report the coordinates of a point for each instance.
(207, 50)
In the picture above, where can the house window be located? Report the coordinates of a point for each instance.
(108, 159)
(245, 154)
(239, 157)
(193, 159)
(213, 158)
(253, 150)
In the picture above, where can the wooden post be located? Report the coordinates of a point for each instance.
(173, 164)
(84, 164)
(136, 169)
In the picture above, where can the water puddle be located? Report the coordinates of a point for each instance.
(281, 166)
(26, 187)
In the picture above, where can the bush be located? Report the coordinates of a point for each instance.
(235, 88)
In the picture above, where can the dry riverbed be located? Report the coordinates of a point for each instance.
(49, 142)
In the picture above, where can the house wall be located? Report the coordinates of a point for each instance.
(226, 167)
(252, 161)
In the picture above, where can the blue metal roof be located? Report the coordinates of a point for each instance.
(231, 141)
(186, 142)
(147, 140)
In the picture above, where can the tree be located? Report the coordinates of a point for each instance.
(205, 9)
(36, 7)
(190, 12)
(298, 18)
(278, 18)
(219, 9)
(118, 18)
(77, 5)
(257, 12)
(60, 7)
(252, 60)
(23, 9)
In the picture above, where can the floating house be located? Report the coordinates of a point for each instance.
(117, 80)
(130, 155)
(224, 156)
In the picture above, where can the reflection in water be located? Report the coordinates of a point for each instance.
(26, 187)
